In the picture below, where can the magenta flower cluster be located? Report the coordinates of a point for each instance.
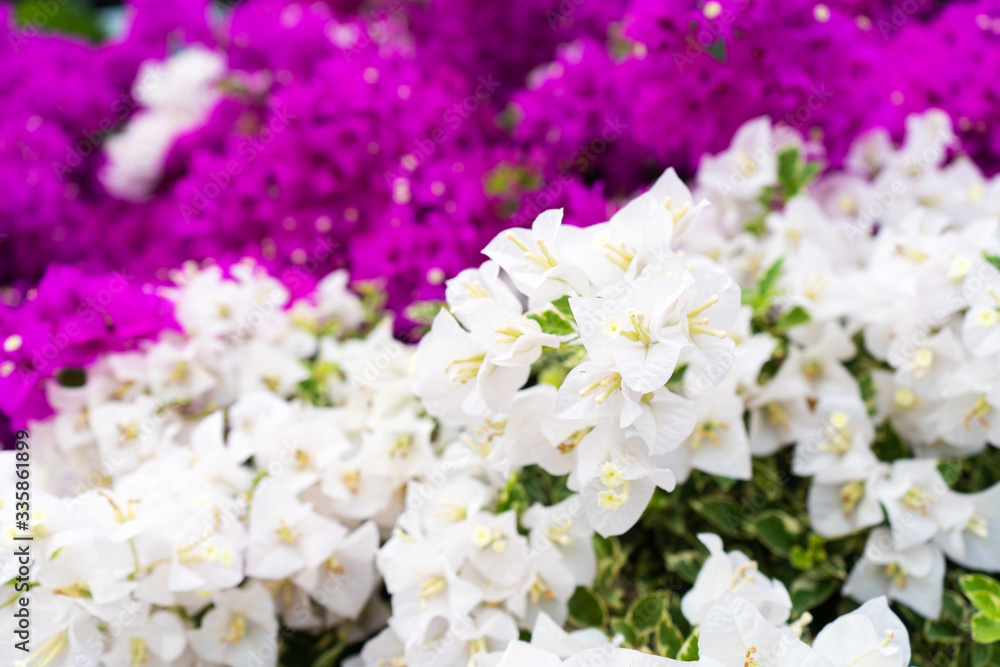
(65, 323)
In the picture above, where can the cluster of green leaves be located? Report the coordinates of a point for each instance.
(66, 16)
(795, 173)
(765, 302)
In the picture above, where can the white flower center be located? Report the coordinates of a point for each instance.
(12, 343)
(612, 327)
(985, 317)
(905, 399)
(959, 267)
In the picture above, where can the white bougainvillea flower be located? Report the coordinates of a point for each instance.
(285, 535)
(474, 291)
(707, 311)
(492, 546)
(533, 258)
(981, 324)
(594, 391)
(733, 572)
(241, 629)
(748, 165)
(564, 528)
(914, 577)
(973, 541)
(871, 636)
(517, 654)
(922, 363)
(510, 338)
(839, 447)
(666, 420)
(93, 572)
(919, 503)
(969, 415)
(840, 509)
(620, 657)
(382, 650)
(623, 330)
(653, 219)
(256, 415)
(61, 635)
(455, 377)
(550, 636)
(718, 445)
(735, 633)
(344, 582)
(151, 640)
(617, 480)
(779, 416)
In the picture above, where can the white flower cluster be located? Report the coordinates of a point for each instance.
(622, 314)
(620, 354)
(240, 471)
(741, 615)
(893, 251)
(463, 579)
(735, 633)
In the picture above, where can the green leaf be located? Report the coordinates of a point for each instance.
(985, 656)
(792, 318)
(788, 162)
(562, 305)
(953, 608)
(985, 630)
(717, 50)
(553, 323)
(722, 513)
(983, 592)
(689, 650)
(72, 16)
(646, 612)
(800, 558)
(669, 639)
(942, 633)
(808, 173)
(513, 496)
(627, 631)
(586, 609)
(778, 531)
(766, 283)
(687, 564)
(807, 593)
(424, 312)
(992, 259)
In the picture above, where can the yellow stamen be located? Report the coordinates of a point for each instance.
(850, 495)
(137, 652)
(979, 412)
(465, 369)
(285, 533)
(237, 629)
